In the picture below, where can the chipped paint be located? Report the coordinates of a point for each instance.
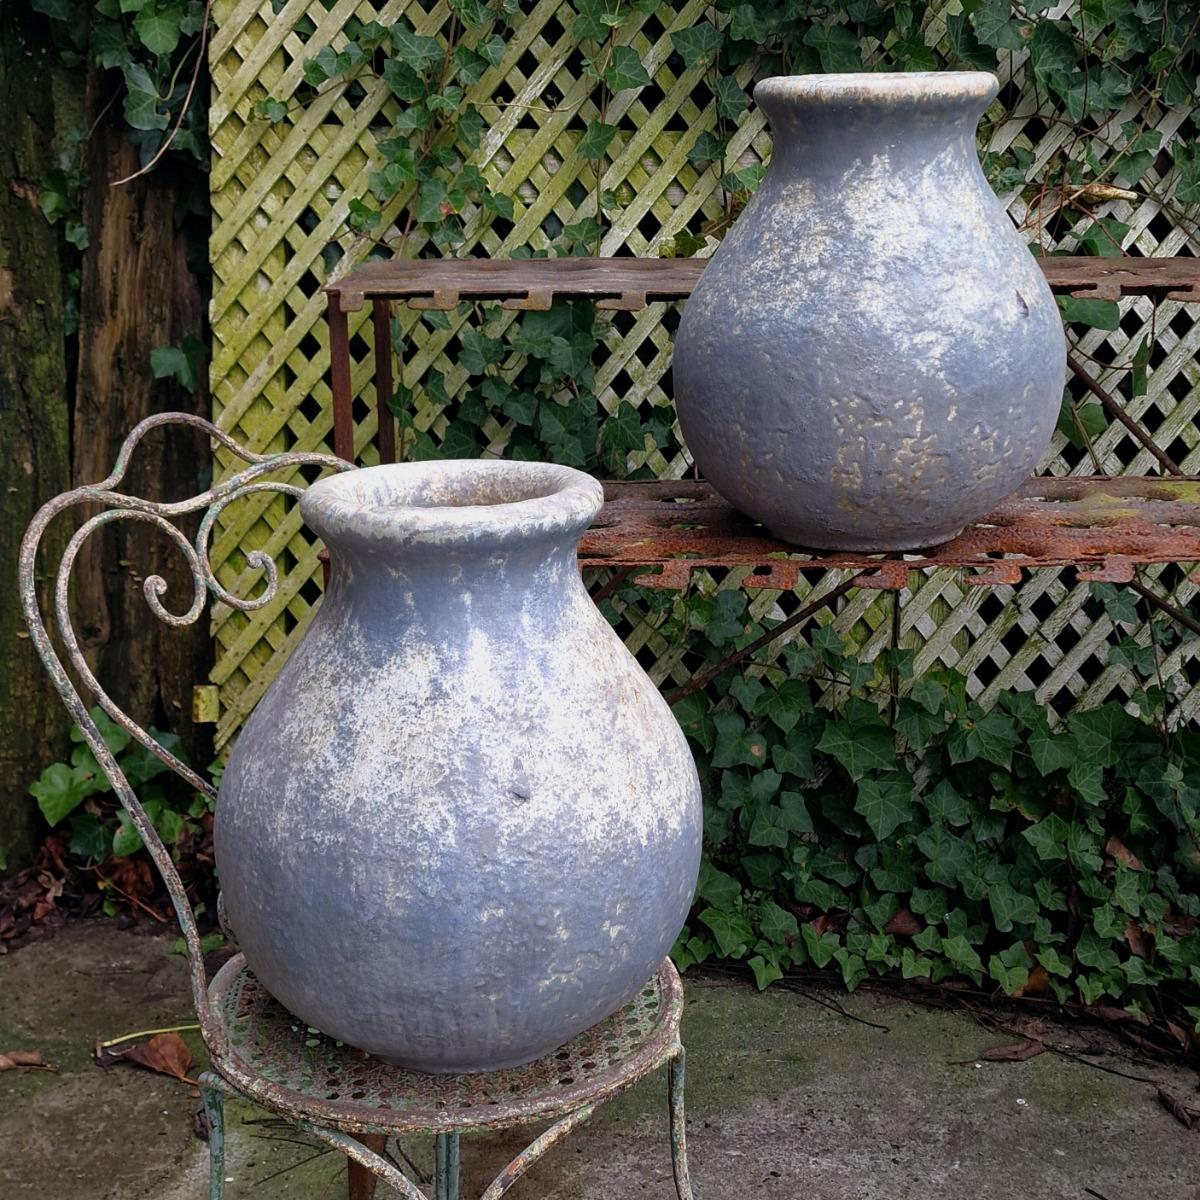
(462, 825)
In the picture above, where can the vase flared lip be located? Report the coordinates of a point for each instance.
(441, 503)
(881, 88)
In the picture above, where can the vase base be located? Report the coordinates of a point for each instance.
(808, 540)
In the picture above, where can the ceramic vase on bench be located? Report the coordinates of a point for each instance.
(462, 825)
(873, 359)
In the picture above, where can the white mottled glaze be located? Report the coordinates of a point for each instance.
(873, 359)
(462, 825)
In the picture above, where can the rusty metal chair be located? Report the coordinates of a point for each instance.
(259, 1051)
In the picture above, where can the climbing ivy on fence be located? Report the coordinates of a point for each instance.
(905, 828)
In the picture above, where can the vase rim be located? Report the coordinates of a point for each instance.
(452, 501)
(880, 87)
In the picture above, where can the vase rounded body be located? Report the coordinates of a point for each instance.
(462, 825)
(873, 359)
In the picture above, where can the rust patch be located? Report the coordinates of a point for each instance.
(1105, 525)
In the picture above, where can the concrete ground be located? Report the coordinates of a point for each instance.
(786, 1098)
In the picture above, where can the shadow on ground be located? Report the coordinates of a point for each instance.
(786, 1098)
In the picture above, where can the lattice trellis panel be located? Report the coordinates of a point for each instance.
(281, 195)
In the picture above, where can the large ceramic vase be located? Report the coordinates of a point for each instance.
(462, 825)
(873, 358)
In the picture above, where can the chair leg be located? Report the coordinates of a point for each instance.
(214, 1110)
(446, 1172)
(361, 1182)
(679, 1163)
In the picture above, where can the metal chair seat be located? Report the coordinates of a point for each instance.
(275, 1059)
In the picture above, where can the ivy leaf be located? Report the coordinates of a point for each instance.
(946, 804)
(988, 735)
(716, 887)
(1187, 163)
(158, 28)
(1087, 780)
(785, 705)
(731, 100)
(478, 351)
(994, 25)
(625, 70)
(271, 110)
(964, 45)
(885, 803)
(731, 930)
(596, 139)
(750, 23)
(1052, 50)
(89, 839)
(777, 924)
(472, 13)
(1010, 968)
(858, 750)
(1048, 838)
(492, 49)
(947, 854)
(1010, 906)
(416, 51)
(836, 47)
(917, 724)
(126, 839)
(1051, 751)
(1097, 314)
(60, 789)
(1099, 732)
(698, 45)
(594, 19)
(141, 99)
(963, 955)
(406, 83)
(765, 973)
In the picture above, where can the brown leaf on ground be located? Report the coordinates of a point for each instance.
(1136, 937)
(1126, 857)
(166, 1053)
(1036, 985)
(1014, 1052)
(903, 923)
(823, 924)
(1187, 1116)
(11, 1060)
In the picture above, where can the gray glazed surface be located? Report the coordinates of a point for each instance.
(462, 825)
(873, 359)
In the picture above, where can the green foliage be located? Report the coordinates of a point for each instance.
(946, 839)
(79, 791)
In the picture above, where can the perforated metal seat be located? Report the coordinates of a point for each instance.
(274, 1059)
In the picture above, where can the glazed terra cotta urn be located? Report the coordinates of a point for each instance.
(462, 825)
(873, 359)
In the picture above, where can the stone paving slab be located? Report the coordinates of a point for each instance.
(786, 1099)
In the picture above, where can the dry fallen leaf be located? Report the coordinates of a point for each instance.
(1187, 1117)
(166, 1053)
(11, 1060)
(1136, 938)
(1123, 854)
(903, 923)
(1014, 1052)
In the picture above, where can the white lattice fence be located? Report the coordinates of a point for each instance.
(281, 195)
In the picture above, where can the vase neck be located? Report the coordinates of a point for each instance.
(415, 534)
(821, 124)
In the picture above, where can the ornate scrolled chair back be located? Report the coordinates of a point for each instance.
(118, 506)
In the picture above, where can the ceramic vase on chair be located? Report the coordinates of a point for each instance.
(462, 825)
(873, 359)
